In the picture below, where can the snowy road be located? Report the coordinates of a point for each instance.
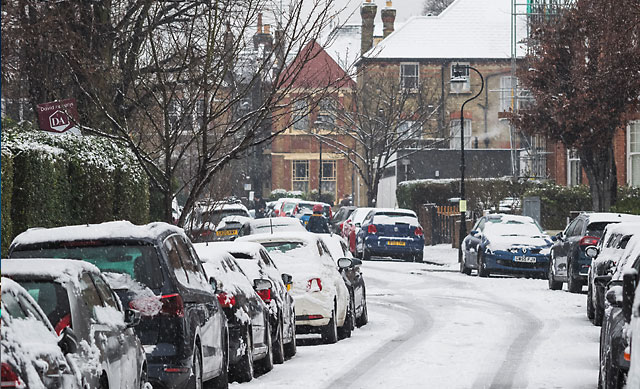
(432, 327)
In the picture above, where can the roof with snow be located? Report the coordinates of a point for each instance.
(466, 29)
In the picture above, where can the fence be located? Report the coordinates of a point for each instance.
(438, 222)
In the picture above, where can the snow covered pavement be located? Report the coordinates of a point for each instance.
(432, 327)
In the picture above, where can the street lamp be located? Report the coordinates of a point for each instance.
(458, 83)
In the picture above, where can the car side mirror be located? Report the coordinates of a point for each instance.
(345, 263)
(68, 343)
(629, 280)
(262, 284)
(287, 278)
(602, 280)
(132, 317)
(473, 232)
(614, 296)
(591, 252)
(358, 225)
(214, 284)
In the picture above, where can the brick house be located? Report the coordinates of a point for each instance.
(297, 153)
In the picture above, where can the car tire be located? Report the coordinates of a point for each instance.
(144, 376)
(419, 257)
(463, 267)
(195, 380)
(330, 331)
(613, 377)
(553, 284)
(366, 254)
(573, 285)
(598, 310)
(291, 348)
(278, 345)
(265, 365)
(363, 319)
(482, 267)
(590, 308)
(349, 321)
(242, 371)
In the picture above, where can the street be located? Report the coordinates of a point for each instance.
(432, 327)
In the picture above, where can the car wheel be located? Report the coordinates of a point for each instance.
(573, 285)
(143, 378)
(103, 383)
(290, 348)
(553, 284)
(265, 365)
(463, 266)
(590, 309)
(364, 315)
(598, 309)
(278, 345)
(330, 331)
(242, 371)
(482, 267)
(349, 321)
(222, 380)
(196, 370)
(419, 257)
(366, 254)
(613, 377)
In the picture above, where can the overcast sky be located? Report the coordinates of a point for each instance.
(405, 9)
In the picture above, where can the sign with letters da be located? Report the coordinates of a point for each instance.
(58, 116)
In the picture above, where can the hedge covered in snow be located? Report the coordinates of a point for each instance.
(53, 180)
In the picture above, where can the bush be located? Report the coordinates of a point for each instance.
(628, 200)
(7, 190)
(557, 203)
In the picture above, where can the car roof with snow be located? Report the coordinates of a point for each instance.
(385, 219)
(247, 247)
(281, 221)
(302, 236)
(509, 218)
(377, 211)
(624, 228)
(61, 270)
(116, 230)
(595, 217)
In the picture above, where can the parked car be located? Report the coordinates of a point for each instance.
(302, 209)
(257, 264)
(340, 217)
(390, 232)
(352, 225)
(609, 250)
(633, 377)
(568, 260)
(322, 298)
(229, 227)
(32, 354)
(614, 356)
(74, 294)
(510, 244)
(154, 269)
(201, 223)
(247, 314)
(352, 276)
(269, 225)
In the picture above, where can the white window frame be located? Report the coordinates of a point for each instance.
(464, 67)
(574, 169)
(415, 78)
(633, 151)
(454, 129)
(326, 180)
(302, 179)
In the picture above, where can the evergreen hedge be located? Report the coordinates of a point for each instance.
(67, 179)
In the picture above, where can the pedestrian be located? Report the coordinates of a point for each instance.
(318, 222)
(260, 206)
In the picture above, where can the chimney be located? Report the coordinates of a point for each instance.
(388, 18)
(263, 37)
(260, 23)
(368, 14)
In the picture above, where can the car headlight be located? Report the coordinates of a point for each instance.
(546, 250)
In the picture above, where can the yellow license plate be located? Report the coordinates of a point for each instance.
(226, 232)
(395, 243)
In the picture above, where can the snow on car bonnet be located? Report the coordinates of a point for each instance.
(108, 230)
(503, 236)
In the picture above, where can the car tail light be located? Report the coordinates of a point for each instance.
(265, 295)
(372, 229)
(172, 305)
(627, 354)
(10, 379)
(589, 241)
(418, 231)
(295, 210)
(314, 285)
(226, 300)
(205, 233)
(340, 226)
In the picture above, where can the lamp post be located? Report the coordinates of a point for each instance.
(458, 82)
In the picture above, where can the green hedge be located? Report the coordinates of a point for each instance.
(67, 179)
(7, 191)
(557, 203)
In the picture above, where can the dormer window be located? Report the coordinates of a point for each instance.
(409, 76)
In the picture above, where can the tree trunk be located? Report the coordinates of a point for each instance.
(600, 168)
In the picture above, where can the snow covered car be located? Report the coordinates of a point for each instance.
(338, 219)
(322, 298)
(247, 314)
(603, 261)
(201, 223)
(304, 209)
(33, 355)
(74, 293)
(154, 269)
(389, 232)
(352, 276)
(569, 262)
(352, 225)
(633, 336)
(614, 343)
(510, 244)
(269, 225)
(257, 264)
(229, 227)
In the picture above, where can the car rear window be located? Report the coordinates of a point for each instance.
(596, 229)
(51, 297)
(139, 261)
(282, 246)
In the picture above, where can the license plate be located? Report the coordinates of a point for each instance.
(226, 232)
(395, 243)
(525, 259)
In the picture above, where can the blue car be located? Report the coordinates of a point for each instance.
(390, 233)
(507, 244)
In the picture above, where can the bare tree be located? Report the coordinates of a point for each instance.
(381, 117)
(434, 7)
(582, 72)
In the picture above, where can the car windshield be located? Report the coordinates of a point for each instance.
(283, 247)
(287, 207)
(140, 262)
(514, 228)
